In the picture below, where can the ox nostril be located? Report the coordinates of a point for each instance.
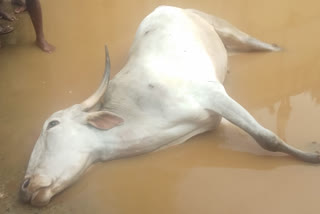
(26, 183)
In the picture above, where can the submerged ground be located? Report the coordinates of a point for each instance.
(218, 172)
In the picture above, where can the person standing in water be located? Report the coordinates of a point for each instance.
(34, 9)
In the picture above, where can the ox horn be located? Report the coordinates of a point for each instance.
(90, 102)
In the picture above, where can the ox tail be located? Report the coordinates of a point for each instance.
(234, 39)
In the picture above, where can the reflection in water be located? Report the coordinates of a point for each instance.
(217, 172)
(283, 116)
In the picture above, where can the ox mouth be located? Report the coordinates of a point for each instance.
(41, 197)
(36, 193)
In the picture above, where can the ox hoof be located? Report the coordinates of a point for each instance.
(313, 146)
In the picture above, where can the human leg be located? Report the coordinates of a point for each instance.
(34, 9)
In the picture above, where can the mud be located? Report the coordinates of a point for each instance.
(217, 172)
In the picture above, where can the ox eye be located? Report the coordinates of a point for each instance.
(52, 124)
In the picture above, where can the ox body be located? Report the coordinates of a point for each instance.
(170, 89)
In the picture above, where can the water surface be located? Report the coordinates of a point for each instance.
(217, 172)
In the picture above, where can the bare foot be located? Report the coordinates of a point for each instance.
(7, 16)
(45, 46)
(5, 29)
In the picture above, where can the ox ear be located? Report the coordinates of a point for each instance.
(104, 120)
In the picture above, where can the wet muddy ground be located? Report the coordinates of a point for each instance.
(217, 172)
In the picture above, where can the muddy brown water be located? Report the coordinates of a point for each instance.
(217, 172)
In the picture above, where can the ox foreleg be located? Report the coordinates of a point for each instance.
(218, 101)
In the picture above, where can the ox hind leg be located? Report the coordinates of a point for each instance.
(214, 98)
(233, 39)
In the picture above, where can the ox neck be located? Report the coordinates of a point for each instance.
(137, 134)
(126, 140)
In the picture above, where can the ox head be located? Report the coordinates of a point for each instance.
(69, 143)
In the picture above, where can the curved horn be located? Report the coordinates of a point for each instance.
(95, 98)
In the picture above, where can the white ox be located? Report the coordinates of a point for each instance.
(169, 90)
